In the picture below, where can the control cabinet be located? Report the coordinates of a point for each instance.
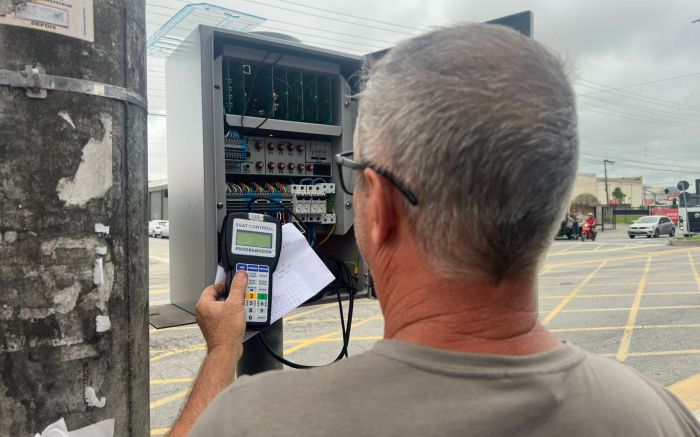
(253, 124)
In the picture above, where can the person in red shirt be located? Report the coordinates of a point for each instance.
(591, 221)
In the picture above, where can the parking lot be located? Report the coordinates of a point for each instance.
(636, 301)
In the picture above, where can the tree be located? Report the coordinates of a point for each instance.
(619, 195)
(585, 199)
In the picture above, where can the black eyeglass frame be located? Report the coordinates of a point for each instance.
(344, 160)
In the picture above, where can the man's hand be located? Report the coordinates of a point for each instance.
(223, 322)
(223, 326)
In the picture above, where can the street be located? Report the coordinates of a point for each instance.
(636, 301)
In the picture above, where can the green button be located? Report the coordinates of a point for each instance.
(262, 296)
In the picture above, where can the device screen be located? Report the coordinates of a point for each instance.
(254, 239)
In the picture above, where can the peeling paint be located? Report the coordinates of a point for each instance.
(94, 175)
(10, 236)
(91, 398)
(49, 247)
(64, 300)
(97, 273)
(64, 115)
(102, 250)
(102, 323)
(101, 229)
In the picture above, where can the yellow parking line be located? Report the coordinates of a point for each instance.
(595, 310)
(193, 348)
(174, 328)
(617, 284)
(170, 381)
(311, 311)
(160, 431)
(557, 278)
(563, 250)
(620, 328)
(632, 318)
(595, 296)
(688, 391)
(626, 258)
(546, 270)
(327, 335)
(694, 270)
(168, 399)
(587, 251)
(553, 313)
(664, 353)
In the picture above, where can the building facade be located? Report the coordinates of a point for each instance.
(590, 183)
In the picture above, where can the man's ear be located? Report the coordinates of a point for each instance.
(381, 208)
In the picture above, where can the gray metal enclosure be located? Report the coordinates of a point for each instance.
(195, 130)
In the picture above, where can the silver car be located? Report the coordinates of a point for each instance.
(652, 226)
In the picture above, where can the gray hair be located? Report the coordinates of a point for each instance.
(480, 123)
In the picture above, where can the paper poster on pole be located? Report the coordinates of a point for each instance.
(73, 18)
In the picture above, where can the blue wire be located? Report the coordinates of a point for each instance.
(315, 181)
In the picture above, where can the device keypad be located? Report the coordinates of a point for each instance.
(257, 297)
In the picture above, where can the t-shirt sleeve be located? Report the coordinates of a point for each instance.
(685, 417)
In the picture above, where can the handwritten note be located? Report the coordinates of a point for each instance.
(299, 275)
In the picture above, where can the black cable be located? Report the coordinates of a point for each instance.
(252, 83)
(343, 275)
(303, 225)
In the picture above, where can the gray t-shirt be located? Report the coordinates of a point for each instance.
(402, 389)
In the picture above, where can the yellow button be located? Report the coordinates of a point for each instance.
(251, 295)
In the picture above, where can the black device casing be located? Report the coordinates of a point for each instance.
(229, 260)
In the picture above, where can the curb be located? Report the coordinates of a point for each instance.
(684, 243)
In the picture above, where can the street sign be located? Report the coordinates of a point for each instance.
(683, 185)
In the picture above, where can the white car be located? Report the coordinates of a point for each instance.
(161, 229)
(152, 227)
(652, 226)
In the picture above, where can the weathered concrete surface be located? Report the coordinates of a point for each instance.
(72, 165)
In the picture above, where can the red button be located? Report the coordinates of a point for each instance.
(290, 147)
(300, 167)
(309, 167)
(271, 166)
(282, 165)
(300, 147)
(280, 147)
(258, 145)
(259, 165)
(270, 146)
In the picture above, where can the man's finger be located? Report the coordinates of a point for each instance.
(239, 284)
(212, 292)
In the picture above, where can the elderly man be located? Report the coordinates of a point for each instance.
(465, 153)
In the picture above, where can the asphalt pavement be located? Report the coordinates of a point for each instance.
(633, 300)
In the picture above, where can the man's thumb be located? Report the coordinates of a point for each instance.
(239, 284)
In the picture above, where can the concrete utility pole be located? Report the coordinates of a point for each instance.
(73, 245)
(605, 169)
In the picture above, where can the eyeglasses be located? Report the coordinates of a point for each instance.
(345, 160)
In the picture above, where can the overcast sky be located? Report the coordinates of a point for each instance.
(635, 66)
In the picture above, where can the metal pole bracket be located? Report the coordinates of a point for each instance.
(34, 80)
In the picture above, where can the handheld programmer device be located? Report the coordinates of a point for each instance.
(252, 242)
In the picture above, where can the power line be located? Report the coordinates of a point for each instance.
(637, 96)
(355, 16)
(645, 110)
(615, 113)
(666, 79)
(320, 16)
(194, 14)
